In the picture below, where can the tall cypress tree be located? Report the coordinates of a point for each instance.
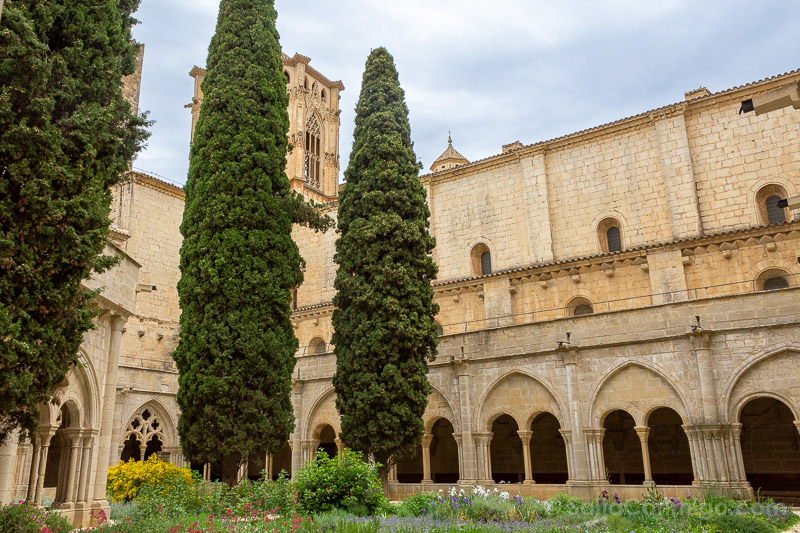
(238, 260)
(66, 136)
(384, 329)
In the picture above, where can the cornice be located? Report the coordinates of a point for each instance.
(646, 119)
(633, 256)
(156, 184)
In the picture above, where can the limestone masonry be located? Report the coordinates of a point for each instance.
(619, 306)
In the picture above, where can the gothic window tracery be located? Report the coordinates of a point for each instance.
(143, 436)
(313, 146)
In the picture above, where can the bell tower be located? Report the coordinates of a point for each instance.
(312, 164)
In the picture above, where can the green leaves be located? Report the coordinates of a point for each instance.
(238, 260)
(384, 329)
(66, 136)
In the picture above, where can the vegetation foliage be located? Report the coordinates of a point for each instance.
(384, 329)
(125, 479)
(66, 136)
(238, 261)
(344, 482)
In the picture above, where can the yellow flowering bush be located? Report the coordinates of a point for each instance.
(125, 479)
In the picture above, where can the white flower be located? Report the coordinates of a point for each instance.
(504, 496)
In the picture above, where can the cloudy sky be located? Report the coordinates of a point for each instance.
(490, 71)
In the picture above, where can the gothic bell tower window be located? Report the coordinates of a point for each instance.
(313, 145)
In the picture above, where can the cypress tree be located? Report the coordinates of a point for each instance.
(238, 260)
(384, 329)
(66, 136)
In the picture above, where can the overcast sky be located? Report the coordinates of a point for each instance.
(490, 71)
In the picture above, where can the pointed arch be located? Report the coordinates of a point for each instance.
(732, 404)
(598, 410)
(320, 414)
(159, 412)
(439, 406)
(540, 393)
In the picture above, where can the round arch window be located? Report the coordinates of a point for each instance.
(580, 307)
(772, 280)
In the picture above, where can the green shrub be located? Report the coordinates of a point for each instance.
(417, 504)
(331, 520)
(344, 482)
(23, 518)
(125, 479)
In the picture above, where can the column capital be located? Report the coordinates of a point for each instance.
(701, 339)
(525, 436)
(594, 434)
(482, 438)
(643, 432)
(426, 441)
(566, 434)
(796, 424)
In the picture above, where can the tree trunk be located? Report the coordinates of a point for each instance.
(384, 472)
(230, 470)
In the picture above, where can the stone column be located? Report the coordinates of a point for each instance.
(692, 454)
(594, 443)
(268, 465)
(8, 459)
(72, 471)
(45, 438)
(426, 458)
(460, 445)
(469, 459)
(35, 457)
(142, 450)
(339, 445)
(107, 411)
(525, 437)
(484, 460)
(644, 433)
(83, 485)
(297, 403)
(701, 346)
(577, 453)
(566, 434)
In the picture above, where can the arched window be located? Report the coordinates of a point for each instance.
(772, 279)
(145, 431)
(579, 306)
(439, 329)
(767, 200)
(609, 233)
(614, 239)
(288, 78)
(324, 95)
(294, 299)
(486, 263)
(481, 260)
(313, 148)
(318, 346)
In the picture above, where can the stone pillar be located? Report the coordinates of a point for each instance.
(207, 472)
(460, 445)
(577, 454)
(339, 445)
(8, 460)
(525, 437)
(469, 460)
(701, 346)
(72, 471)
(594, 444)
(34, 475)
(86, 468)
(566, 434)
(483, 456)
(426, 458)
(107, 411)
(45, 438)
(297, 403)
(644, 433)
(142, 450)
(693, 454)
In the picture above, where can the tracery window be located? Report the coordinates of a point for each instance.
(143, 436)
(313, 146)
